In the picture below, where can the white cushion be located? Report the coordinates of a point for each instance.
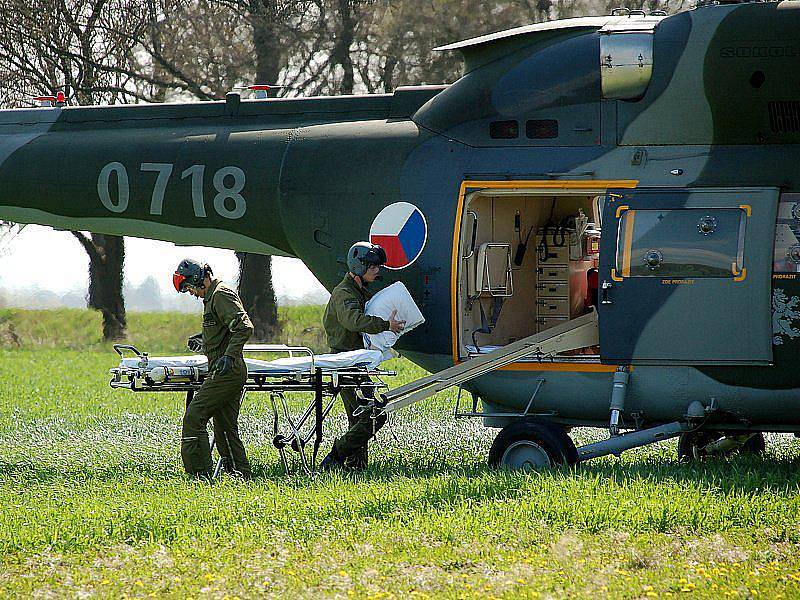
(382, 304)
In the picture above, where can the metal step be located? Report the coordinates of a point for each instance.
(572, 335)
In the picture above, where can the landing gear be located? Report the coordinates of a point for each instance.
(698, 445)
(529, 445)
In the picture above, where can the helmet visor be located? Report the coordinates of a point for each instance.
(179, 281)
(375, 256)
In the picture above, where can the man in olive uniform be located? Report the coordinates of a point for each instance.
(344, 322)
(226, 329)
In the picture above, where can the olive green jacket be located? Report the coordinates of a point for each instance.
(226, 325)
(344, 319)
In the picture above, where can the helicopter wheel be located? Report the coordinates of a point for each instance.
(755, 445)
(691, 446)
(529, 445)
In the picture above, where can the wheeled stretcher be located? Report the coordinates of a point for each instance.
(320, 376)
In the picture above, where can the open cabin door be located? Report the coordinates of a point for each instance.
(685, 276)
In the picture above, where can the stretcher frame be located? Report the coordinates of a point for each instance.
(299, 430)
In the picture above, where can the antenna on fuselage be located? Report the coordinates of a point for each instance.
(56, 101)
(260, 91)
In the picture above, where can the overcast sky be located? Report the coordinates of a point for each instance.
(40, 257)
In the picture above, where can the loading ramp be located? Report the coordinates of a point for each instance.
(581, 332)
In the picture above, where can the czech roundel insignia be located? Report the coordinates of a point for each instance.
(401, 230)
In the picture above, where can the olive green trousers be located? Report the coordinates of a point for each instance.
(220, 398)
(352, 446)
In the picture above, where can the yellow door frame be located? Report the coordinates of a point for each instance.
(472, 185)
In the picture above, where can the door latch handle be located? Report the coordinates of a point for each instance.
(604, 287)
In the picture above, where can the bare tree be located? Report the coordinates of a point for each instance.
(83, 48)
(207, 47)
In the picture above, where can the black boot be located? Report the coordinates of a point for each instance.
(357, 461)
(228, 468)
(333, 461)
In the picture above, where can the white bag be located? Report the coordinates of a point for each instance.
(382, 304)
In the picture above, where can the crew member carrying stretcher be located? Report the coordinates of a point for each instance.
(344, 322)
(226, 328)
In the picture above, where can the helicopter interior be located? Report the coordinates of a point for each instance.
(528, 262)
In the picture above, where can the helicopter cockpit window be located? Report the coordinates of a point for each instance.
(686, 243)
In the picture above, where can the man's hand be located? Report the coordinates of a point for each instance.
(224, 365)
(394, 325)
(195, 343)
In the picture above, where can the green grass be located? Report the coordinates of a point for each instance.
(93, 501)
(74, 329)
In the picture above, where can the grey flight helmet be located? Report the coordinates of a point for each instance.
(362, 255)
(190, 273)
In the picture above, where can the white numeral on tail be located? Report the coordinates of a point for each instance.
(228, 182)
(164, 170)
(196, 172)
(233, 193)
(123, 188)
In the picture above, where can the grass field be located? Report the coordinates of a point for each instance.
(93, 501)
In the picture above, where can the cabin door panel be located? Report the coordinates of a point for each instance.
(685, 276)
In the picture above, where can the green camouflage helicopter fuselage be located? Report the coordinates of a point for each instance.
(714, 125)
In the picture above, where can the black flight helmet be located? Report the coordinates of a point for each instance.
(189, 273)
(362, 255)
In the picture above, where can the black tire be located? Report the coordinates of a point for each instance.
(690, 444)
(532, 444)
(755, 445)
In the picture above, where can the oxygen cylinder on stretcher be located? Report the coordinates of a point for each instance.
(174, 374)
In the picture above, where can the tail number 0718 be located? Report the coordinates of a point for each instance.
(228, 183)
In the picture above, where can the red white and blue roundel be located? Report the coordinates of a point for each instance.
(401, 230)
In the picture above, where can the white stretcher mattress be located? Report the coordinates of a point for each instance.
(368, 359)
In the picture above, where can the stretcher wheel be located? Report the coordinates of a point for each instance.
(531, 445)
(691, 446)
(278, 442)
(295, 445)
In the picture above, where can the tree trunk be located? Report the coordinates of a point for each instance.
(258, 296)
(344, 40)
(255, 270)
(106, 259)
(267, 47)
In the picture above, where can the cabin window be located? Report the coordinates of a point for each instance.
(542, 129)
(504, 130)
(787, 235)
(684, 243)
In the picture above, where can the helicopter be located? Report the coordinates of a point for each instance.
(600, 219)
